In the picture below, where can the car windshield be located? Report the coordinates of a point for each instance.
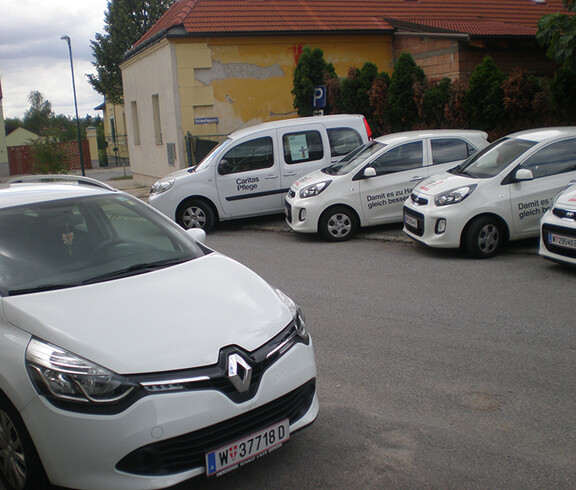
(355, 158)
(76, 241)
(494, 158)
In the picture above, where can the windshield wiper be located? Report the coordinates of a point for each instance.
(42, 288)
(136, 269)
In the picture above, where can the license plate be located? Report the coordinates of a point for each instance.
(410, 221)
(247, 449)
(562, 241)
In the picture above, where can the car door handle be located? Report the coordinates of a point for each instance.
(416, 177)
(289, 174)
(272, 176)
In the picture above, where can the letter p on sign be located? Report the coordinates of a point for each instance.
(319, 101)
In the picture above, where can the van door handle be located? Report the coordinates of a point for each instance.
(272, 176)
(416, 177)
(289, 174)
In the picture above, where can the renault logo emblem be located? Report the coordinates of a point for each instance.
(239, 372)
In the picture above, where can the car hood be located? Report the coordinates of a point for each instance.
(442, 182)
(311, 178)
(567, 199)
(174, 318)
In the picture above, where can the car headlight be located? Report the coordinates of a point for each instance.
(162, 186)
(297, 315)
(61, 375)
(314, 189)
(454, 196)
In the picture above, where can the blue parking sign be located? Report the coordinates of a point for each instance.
(319, 100)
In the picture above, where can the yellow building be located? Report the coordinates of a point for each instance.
(114, 120)
(208, 67)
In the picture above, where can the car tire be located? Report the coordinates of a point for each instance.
(195, 213)
(20, 466)
(338, 224)
(483, 238)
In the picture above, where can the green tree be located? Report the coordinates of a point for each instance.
(38, 117)
(311, 71)
(557, 32)
(563, 96)
(354, 90)
(402, 113)
(48, 155)
(126, 21)
(485, 99)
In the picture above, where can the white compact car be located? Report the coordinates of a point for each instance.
(368, 186)
(250, 173)
(133, 356)
(558, 229)
(499, 194)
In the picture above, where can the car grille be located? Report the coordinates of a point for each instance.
(564, 251)
(187, 451)
(419, 217)
(564, 214)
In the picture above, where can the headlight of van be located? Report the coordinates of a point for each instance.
(66, 377)
(454, 196)
(161, 186)
(314, 189)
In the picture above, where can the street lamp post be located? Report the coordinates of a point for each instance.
(67, 39)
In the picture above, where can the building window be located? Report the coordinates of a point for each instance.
(135, 123)
(156, 116)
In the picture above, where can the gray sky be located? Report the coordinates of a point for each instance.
(33, 57)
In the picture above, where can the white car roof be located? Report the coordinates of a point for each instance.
(543, 134)
(332, 120)
(393, 138)
(34, 189)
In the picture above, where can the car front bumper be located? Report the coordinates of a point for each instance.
(552, 225)
(439, 227)
(83, 451)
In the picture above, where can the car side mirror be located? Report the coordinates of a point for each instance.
(225, 167)
(369, 172)
(197, 233)
(523, 174)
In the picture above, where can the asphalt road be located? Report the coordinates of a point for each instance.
(434, 370)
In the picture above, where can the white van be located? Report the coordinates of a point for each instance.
(499, 194)
(368, 186)
(250, 172)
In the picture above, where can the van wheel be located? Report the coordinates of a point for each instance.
(483, 238)
(20, 466)
(337, 224)
(195, 213)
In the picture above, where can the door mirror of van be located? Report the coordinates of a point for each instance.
(225, 167)
(369, 172)
(523, 174)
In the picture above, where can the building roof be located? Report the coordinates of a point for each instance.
(489, 18)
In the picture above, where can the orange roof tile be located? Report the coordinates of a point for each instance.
(488, 18)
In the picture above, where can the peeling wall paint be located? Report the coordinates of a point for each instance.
(226, 71)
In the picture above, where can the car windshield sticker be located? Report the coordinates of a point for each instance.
(298, 147)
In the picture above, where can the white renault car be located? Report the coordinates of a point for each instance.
(499, 194)
(368, 186)
(133, 356)
(558, 229)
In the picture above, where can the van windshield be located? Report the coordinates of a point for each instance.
(212, 155)
(354, 159)
(494, 158)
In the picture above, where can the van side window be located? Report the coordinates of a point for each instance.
(251, 155)
(343, 140)
(304, 146)
(554, 159)
(450, 150)
(399, 158)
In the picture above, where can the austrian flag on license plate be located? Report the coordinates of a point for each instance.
(248, 449)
